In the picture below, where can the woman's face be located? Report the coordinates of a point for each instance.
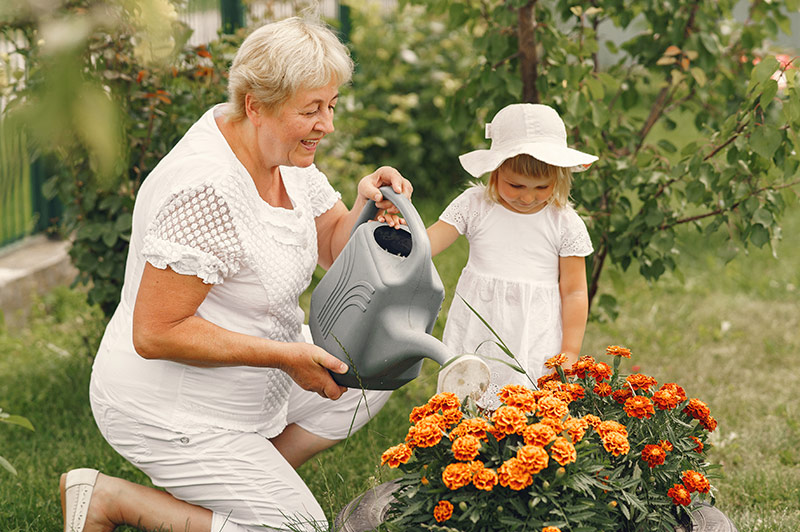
(290, 135)
(521, 193)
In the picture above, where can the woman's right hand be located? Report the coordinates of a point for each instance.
(309, 367)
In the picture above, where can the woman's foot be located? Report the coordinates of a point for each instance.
(82, 492)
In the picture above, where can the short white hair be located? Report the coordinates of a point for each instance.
(280, 58)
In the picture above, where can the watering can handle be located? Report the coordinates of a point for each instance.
(421, 243)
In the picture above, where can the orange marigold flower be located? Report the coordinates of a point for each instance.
(396, 455)
(606, 427)
(602, 389)
(551, 529)
(457, 475)
(496, 432)
(428, 431)
(556, 361)
(518, 396)
(509, 420)
(576, 428)
(485, 479)
(695, 481)
(592, 420)
(680, 495)
(514, 474)
(475, 426)
(419, 412)
(654, 455)
(445, 401)
(576, 391)
(666, 399)
(443, 511)
(699, 447)
(582, 366)
(675, 389)
(600, 371)
(466, 447)
(697, 409)
(563, 451)
(553, 423)
(618, 351)
(534, 457)
(538, 434)
(616, 443)
(552, 407)
(540, 382)
(709, 423)
(641, 382)
(622, 395)
(452, 416)
(202, 51)
(639, 406)
(667, 446)
(410, 440)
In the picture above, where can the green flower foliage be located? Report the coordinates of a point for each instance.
(680, 101)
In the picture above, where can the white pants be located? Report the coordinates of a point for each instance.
(240, 477)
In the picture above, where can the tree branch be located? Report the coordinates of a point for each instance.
(719, 211)
(526, 41)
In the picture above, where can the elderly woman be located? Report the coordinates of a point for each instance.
(203, 380)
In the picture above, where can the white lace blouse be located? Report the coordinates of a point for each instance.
(199, 212)
(511, 279)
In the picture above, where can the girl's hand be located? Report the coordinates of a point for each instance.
(308, 366)
(392, 219)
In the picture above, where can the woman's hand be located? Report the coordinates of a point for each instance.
(368, 188)
(308, 366)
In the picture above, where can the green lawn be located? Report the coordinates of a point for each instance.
(727, 334)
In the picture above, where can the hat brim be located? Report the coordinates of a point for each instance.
(479, 162)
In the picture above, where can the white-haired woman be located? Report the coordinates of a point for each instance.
(203, 380)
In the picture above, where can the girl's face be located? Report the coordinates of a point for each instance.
(521, 193)
(291, 135)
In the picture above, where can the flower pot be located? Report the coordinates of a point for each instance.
(367, 511)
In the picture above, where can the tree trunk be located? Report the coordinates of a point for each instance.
(527, 52)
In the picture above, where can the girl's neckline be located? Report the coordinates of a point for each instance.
(515, 213)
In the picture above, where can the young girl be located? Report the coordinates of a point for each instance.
(526, 274)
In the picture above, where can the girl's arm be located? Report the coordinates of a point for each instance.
(441, 235)
(574, 305)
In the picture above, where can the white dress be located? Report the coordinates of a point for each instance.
(511, 280)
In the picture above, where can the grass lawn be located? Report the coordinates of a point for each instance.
(727, 333)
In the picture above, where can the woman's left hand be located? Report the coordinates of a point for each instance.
(368, 188)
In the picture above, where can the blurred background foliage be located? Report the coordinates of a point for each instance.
(693, 119)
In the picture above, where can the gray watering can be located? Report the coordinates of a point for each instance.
(376, 307)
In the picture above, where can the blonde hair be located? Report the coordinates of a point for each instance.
(278, 59)
(529, 166)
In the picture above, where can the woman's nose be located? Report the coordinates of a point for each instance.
(326, 122)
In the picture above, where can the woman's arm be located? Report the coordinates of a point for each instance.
(334, 225)
(574, 305)
(165, 327)
(441, 235)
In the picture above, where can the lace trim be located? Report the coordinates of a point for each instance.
(575, 240)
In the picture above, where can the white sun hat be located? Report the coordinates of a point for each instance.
(530, 128)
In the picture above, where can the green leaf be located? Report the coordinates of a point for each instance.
(7, 466)
(17, 420)
(764, 70)
(759, 235)
(765, 141)
(763, 217)
(769, 92)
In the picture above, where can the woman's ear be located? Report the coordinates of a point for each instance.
(253, 109)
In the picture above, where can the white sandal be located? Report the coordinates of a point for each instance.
(78, 489)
